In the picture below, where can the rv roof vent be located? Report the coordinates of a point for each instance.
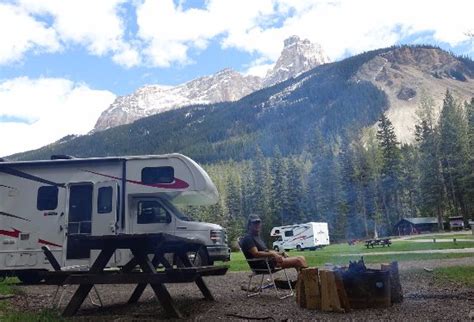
(61, 157)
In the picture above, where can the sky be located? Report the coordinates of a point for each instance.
(63, 62)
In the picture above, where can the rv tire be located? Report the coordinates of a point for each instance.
(29, 277)
(298, 248)
(276, 248)
(201, 258)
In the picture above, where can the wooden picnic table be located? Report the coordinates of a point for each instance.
(378, 242)
(140, 245)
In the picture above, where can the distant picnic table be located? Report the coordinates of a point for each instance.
(378, 242)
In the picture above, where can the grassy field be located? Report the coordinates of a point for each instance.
(446, 236)
(459, 274)
(341, 254)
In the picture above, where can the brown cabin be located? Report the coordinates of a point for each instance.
(416, 225)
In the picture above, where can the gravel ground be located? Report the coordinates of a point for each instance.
(425, 299)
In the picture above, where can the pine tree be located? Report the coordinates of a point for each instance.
(390, 171)
(431, 184)
(352, 192)
(409, 181)
(317, 150)
(279, 193)
(454, 152)
(294, 192)
(469, 171)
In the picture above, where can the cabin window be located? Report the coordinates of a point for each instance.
(47, 198)
(152, 212)
(289, 233)
(158, 175)
(104, 200)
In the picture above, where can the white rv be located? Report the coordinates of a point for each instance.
(302, 236)
(51, 202)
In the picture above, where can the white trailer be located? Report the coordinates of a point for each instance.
(51, 202)
(310, 235)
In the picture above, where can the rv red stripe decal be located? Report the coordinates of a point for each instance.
(45, 242)
(12, 216)
(15, 233)
(177, 184)
(28, 176)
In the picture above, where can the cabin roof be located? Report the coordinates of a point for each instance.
(421, 220)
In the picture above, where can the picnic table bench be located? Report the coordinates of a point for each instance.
(378, 242)
(140, 245)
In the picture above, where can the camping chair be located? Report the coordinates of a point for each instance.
(262, 267)
(54, 263)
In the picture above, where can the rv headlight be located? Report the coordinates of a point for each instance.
(216, 236)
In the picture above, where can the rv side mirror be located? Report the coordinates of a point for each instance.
(168, 218)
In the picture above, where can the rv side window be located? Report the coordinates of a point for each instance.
(47, 198)
(104, 200)
(151, 212)
(289, 233)
(158, 175)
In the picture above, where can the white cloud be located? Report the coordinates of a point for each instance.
(48, 24)
(53, 107)
(19, 32)
(341, 27)
(167, 32)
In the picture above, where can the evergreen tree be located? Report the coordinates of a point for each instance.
(431, 184)
(469, 171)
(329, 196)
(294, 192)
(409, 181)
(390, 171)
(317, 150)
(352, 192)
(279, 194)
(368, 158)
(454, 152)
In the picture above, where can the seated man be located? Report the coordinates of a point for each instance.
(253, 247)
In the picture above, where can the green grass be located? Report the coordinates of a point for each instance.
(332, 254)
(458, 274)
(446, 236)
(6, 286)
(9, 314)
(42, 316)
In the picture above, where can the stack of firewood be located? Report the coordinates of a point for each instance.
(341, 289)
(321, 289)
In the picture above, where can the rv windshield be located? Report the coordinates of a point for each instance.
(176, 211)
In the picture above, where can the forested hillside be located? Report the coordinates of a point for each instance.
(307, 150)
(361, 182)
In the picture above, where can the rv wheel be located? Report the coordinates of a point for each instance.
(31, 277)
(298, 248)
(276, 248)
(199, 258)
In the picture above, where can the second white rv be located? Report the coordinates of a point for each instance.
(52, 202)
(310, 235)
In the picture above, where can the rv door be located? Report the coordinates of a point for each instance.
(105, 208)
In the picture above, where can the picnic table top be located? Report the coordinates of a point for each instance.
(169, 275)
(147, 242)
(378, 239)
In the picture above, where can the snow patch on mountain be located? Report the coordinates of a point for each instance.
(298, 56)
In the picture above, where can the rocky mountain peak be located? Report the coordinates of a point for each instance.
(298, 56)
